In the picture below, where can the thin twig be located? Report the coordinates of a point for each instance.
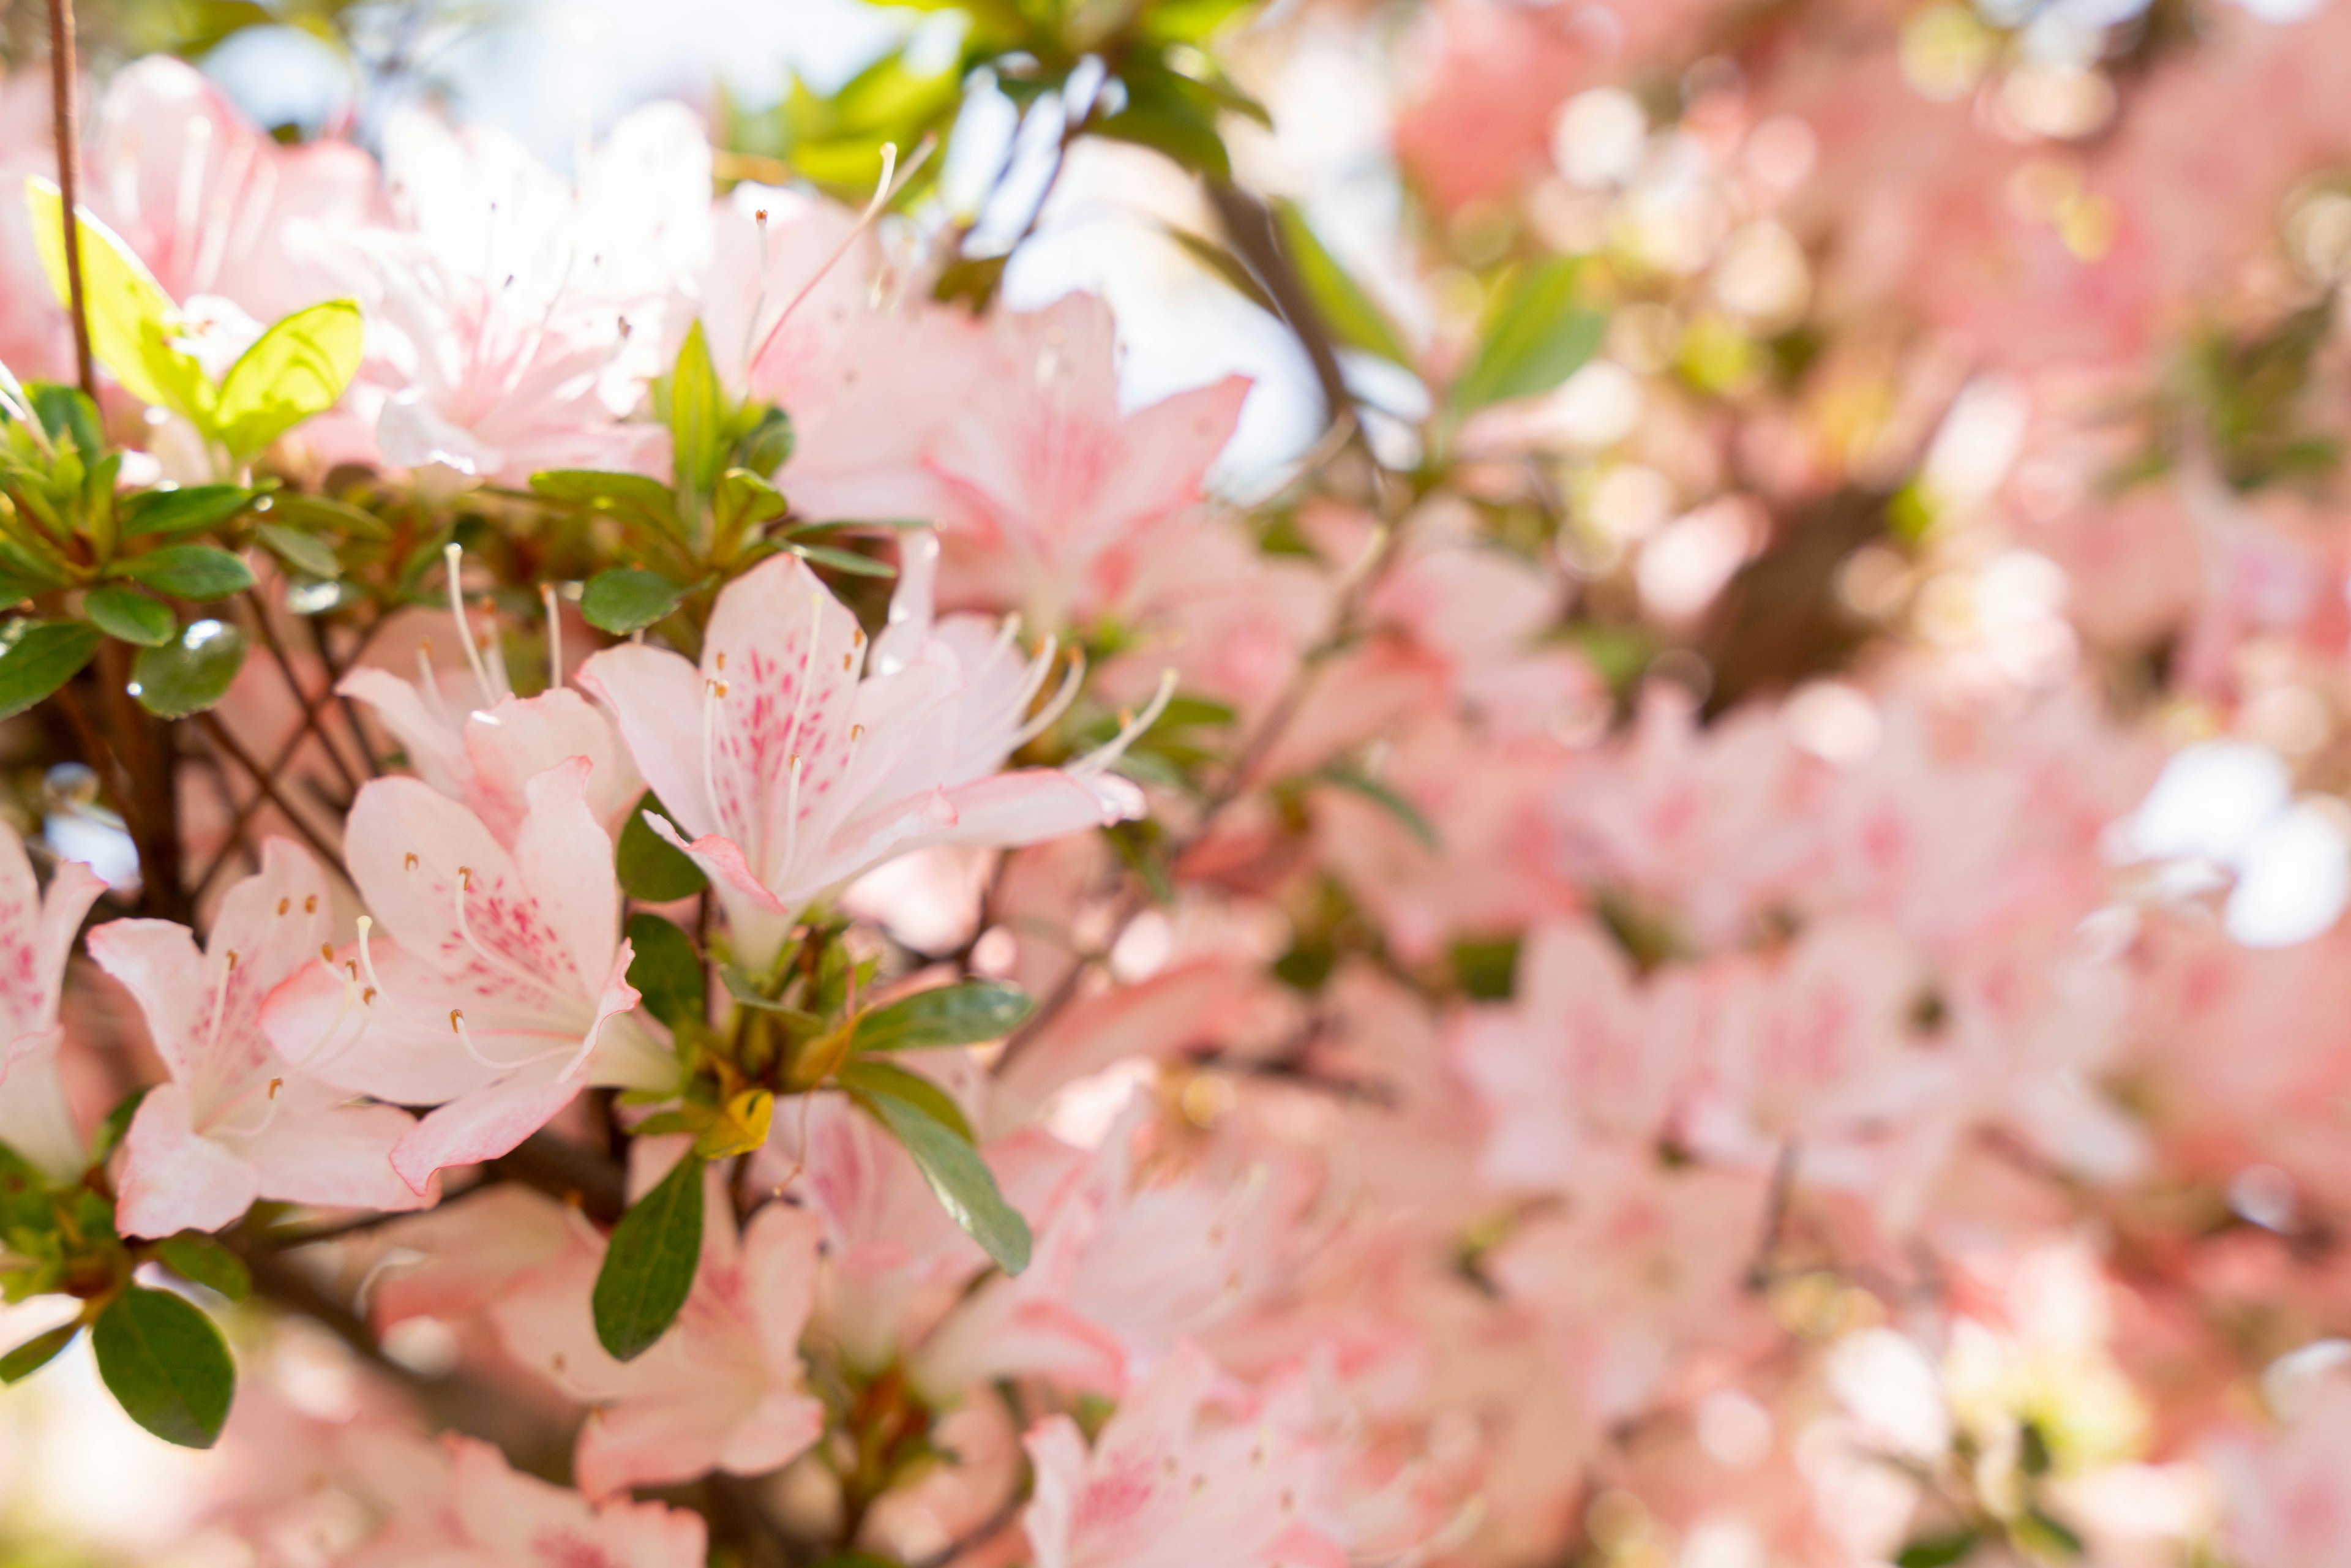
(311, 707)
(325, 645)
(61, 118)
(217, 733)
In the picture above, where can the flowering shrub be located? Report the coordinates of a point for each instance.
(679, 888)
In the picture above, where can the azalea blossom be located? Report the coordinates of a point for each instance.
(458, 1502)
(789, 774)
(484, 751)
(240, 1120)
(500, 989)
(1184, 1472)
(37, 933)
(721, 1391)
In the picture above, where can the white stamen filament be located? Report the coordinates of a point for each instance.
(886, 187)
(268, 1113)
(713, 693)
(791, 817)
(1060, 702)
(466, 1038)
(454, 554)
(554, 637)
(220, 1001)
(1097, 761)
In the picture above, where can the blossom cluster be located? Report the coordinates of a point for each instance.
(677, 889)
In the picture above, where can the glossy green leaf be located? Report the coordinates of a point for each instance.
(37, 1352)
(958, 1178)
(843, 561)
(967, 1014)
(1170, 115)
(648, 1268)
(166, 1365)
(181, 511)
(605, 490)
(625, 600)
(191, 673)
(750, 499)
(875, 1075)
(1408, 815)
(68, 416)
(697, 409)
(132, 319)
(121, 610)
(297, 369)
(36, 657)
(1346, 308)
(117, 1125)
(652, 869)
(201, 1260)
(306, 553)
(1938, 1550)
(1538, 334)
(189, 571)
(766, 445)
(665, 969)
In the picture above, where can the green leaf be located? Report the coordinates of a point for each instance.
(1405, 813)
(120, 611)
(843, 561)
(306, 553)
(665, 969)
(111, 1130)
(201, 1260)
(1168, 114)
(1536, 337)
(66, 413)
(649, 1269)
(625, 600)
(189, 571)
(652, 869)
(958, 1178)
(166, 1364)
(299, 367)
(37, 1352)
(1938, 1551)
(750, 499)
(697, 409)
(189, 674)
(602, 489)
(131, 321)
(36, 657)
(872, 1076)
(767, 445)
(1346, 308)
(965, 1014)
(181, 511)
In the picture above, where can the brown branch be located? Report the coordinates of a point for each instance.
(335, 668)
(310, 706)
(217, 733)
(61, 118)
(1249, 225)
(570, 1170)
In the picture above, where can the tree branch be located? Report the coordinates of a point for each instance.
(61, 121)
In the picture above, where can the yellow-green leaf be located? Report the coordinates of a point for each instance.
(132, 319)
(295, 370)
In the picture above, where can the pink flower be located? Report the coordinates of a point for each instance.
(497, 992)
(239, 1119)
(458, 1504)
(486, 755)
(721, 1390)
(791, 774)
(2288, 1500)
(1050, 487)
(1190, 1470)
(215, 206)
(37, 933)
(518, 317)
